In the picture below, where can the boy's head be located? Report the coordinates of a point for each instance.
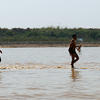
(74, 36)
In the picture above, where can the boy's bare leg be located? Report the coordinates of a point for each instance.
(73, 61)
(77, 57)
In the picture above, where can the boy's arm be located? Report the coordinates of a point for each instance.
(76, 45)
(79, 45)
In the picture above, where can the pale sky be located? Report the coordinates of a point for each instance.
(46, 13)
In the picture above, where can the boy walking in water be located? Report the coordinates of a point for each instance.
(72, 51)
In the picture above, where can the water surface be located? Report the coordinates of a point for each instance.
(45, 73)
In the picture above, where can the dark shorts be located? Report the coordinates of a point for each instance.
(71, 51)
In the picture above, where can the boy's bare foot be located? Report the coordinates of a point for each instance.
(72, 66)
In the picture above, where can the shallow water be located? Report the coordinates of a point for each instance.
(45, 73)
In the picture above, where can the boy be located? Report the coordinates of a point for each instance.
(72, 51)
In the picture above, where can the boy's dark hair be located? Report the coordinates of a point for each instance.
(73, 35)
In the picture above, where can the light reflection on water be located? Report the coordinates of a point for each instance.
(45, 73)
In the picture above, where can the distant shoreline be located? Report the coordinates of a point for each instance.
(44, 44)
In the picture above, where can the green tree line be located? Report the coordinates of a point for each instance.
(48, 34)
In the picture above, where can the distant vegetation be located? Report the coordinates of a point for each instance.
(48, 34)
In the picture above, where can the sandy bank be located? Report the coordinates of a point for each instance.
(45, 44)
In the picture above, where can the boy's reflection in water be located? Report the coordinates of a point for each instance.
(75, 75)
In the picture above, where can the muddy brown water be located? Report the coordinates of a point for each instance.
(45, 74)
